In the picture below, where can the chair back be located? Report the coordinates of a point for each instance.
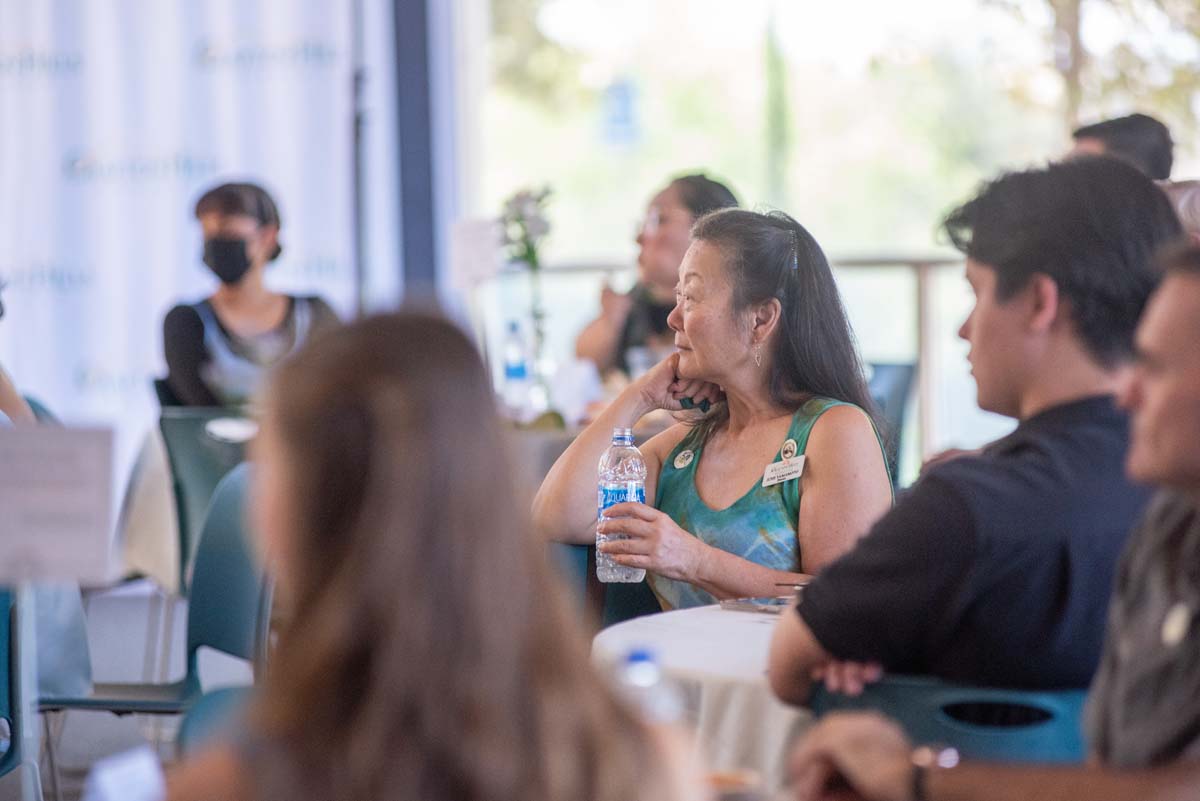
(18, 696)
(615, 602)
(626, 601)
(890, 386)
(214, 718)
(198, 462)
(166, 396)
(9, 702)
(981, 722)
(41, 412)
(571, 561)
(226, 609)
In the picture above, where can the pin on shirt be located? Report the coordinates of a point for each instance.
(683, 459)
(1176, 623)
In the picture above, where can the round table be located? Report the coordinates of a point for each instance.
(718, 658)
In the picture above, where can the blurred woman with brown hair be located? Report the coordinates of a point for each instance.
(429, 654)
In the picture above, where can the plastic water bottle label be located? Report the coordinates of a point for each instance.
(516, 371)
(612, 494)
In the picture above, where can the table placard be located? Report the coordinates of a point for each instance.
(56, 504)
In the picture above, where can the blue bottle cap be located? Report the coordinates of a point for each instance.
(636, 655)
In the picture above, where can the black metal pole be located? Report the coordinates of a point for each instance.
(414, 131)
(358, 89)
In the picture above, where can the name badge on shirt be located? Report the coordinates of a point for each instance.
(779, 472)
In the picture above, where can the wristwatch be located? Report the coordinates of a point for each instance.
(924, 759)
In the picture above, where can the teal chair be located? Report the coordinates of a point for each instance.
(229, 611)
(614, 603)
(890, 386)
(573, 563)
(198, 463)
(12, 753)
(16, 693)
(213, 718)
(982, 723)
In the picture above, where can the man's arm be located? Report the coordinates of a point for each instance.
(983, 782)
(795, 655)
(882, 602)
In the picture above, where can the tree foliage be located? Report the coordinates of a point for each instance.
(525, 60)
(1138, 72)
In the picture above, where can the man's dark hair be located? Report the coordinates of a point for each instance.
(701, 194)
(1093, 225)
(241, 200)
(1137, 138)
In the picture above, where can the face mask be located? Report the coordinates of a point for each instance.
(227, 259)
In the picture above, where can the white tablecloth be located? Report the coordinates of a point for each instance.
(719, 660)
(148, 528)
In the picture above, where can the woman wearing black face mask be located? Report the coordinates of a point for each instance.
(218, 349)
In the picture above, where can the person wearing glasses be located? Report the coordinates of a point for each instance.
(638, 319)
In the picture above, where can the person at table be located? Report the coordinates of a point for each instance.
(431, 655)
(13, 408)
(1136, 139)
(995, 569)
(218, 349)
(1142, 721)
(639, 318)
(762, 336)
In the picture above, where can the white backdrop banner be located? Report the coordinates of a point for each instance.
(114, 117)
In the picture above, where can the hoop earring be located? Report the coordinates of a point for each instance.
(758, 355)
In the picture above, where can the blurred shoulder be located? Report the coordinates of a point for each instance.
(183, 320)
(322, 313)
(840, 425)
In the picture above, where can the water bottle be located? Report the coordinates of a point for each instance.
(516, 373)
(622, 478)
(640, 682)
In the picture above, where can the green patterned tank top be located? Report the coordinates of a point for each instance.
(759, 527)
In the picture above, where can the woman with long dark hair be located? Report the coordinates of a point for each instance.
(429, 655)
(761, 334)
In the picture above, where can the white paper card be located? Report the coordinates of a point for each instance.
(475, 256)
(786, 470)
(56, 504)
(135, 775)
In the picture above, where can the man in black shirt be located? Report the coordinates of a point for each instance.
(997, 568)
(1143, 722)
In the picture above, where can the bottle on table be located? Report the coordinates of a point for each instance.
(622, 478)
(641, 683)
(516, 374)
